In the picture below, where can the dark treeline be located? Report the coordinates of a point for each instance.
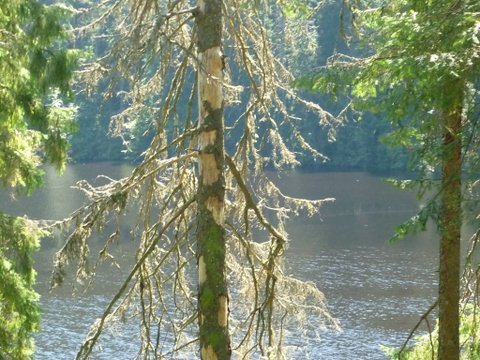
(355, 143)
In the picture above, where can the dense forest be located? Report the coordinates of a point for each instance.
(355, 143)
(201, 99)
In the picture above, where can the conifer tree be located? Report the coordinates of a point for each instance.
(198, 205)
(34, 78)
(422, 74)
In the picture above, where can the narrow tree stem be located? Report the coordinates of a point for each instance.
(450, 230)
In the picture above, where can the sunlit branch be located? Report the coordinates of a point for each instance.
(88, 345)
(424, 317)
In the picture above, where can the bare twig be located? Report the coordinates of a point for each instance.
(424, 317)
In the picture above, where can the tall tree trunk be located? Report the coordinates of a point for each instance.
(450, 229)
(213, 292)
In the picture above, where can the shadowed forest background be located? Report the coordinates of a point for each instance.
(353, 145)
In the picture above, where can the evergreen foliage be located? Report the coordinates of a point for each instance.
(422, 74)
(18, 301)
(35, 77)
(414, 53)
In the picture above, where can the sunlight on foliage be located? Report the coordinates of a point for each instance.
(425, 347)
(35, 120)
(152, 65)
(19, 305)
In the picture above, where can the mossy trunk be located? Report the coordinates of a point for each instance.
(212, 292)
(450, 229)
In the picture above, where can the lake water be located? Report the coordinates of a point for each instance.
(377, 291)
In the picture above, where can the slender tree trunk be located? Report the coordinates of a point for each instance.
(450, 229)
(213, 292)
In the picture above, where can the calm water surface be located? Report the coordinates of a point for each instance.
(377, 291)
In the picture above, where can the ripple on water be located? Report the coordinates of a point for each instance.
(377, 296)
(65, 324)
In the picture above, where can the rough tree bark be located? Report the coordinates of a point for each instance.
(450, 228)
(213, 292)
